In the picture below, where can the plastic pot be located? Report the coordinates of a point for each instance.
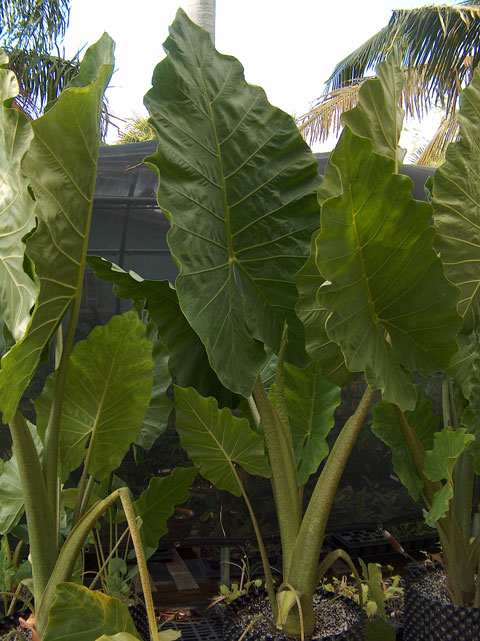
(430, 618)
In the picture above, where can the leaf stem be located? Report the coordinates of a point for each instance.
(284, 473)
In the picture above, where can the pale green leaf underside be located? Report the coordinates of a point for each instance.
(378, 116)
(238, 185)
(391, 308)
(107, 393)
(216, 441)
(66, 141)
(17, 290)
(456, 206)
(79, 614)
(313, 316)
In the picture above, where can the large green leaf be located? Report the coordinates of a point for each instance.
(107, 393)
(311, 403)
(216, 441)
(440, 462)
(238, 185)
(156, 504)
(378, 115)
(187, 360)
(61, 166)
(423, 421)
(456, 206)
(391, 308)
(313, 316)
(156, 419)
(79, 614)
(12, 498)
(17, 290)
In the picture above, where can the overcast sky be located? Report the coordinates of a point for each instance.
(289, 48)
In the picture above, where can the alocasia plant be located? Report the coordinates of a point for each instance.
(246, 206)
(105, 393)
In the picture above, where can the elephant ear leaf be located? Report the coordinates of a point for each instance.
(311, 403)
(425, 424)
(79, 613)
(319, 346)
(456, 207)
(440, 462)
(391, 309)
(187, 358)
(216, 441)
(238, 184)
(107, 393)
(156, 504)
(156, 419)
(378, 115)
(17, 290)
(66, 141)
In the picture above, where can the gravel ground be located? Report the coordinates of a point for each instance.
(333, 616)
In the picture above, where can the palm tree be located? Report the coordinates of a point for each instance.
(29, 31)
(203, 13)
(438, 47)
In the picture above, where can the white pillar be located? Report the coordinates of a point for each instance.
(203, 13)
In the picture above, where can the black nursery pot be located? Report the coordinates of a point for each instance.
(241, 611)
(430, 616)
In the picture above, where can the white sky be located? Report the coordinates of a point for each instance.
(289, 48)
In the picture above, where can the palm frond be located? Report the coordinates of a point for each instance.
(324, 118)
(35, 24)
(442, 41)
(41, 77)
(434, 152)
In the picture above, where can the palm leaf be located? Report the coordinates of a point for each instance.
(438, 48)
(33, 24)
(41, 77)
(324, 118)
(438, 37)
(434, 152)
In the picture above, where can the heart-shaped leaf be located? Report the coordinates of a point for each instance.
(156, 504)
(391, 308)
(238, 185)
(313, 316)
(187, 360)
(17, 290)
(107, 393)
(378, 115)
(216, 441)
(311, 403)
(79, 614)
(440, 462)
(456, 207)
(61, 166)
